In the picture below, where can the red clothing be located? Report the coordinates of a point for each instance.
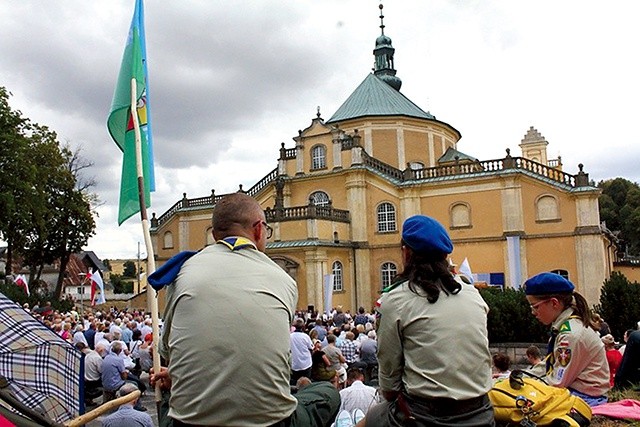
(613, 358)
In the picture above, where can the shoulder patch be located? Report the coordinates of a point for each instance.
(565, 327)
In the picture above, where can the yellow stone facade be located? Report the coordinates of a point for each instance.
(511, 216)
(340, 193)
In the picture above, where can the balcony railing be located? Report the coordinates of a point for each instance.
(457, 169)
(307, 212)
(467, 168)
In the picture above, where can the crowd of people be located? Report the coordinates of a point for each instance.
(117, 348)
(236, 351)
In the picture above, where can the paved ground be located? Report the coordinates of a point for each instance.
(148, 401)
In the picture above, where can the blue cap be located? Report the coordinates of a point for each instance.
(424, 234)
(546, 284)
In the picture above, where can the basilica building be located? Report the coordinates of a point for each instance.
(340, 193)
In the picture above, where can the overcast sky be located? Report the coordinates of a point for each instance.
(231, 80)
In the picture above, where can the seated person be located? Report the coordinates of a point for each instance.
(536, 363)
(575, 357)
(628, 374)
(320, 364)
(501, 364)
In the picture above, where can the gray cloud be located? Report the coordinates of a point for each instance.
(231, 80)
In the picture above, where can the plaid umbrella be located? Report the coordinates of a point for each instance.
(43, 370)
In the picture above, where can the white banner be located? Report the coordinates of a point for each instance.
(328, 293)
(513, 253)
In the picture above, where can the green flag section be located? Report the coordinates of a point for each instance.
(120, 122)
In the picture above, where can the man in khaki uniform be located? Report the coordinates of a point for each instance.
(226, 330)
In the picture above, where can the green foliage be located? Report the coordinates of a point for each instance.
(620, 209)
(107, 263)
(46, 212)
(120, 285)
(129, 269)
(619, 304)
(38, 296)
(510, 318)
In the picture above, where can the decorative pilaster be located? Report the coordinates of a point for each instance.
(400, 142)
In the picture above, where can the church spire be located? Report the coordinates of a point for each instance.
(383, 54)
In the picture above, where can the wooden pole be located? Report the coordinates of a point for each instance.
(152, 295)
(105, 407)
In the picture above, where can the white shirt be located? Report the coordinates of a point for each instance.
(79, 337)
(113, 328)
(358, 395)
(92, 366)
(301, 346)
(145, 330)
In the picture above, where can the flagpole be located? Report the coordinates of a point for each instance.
(151, 261)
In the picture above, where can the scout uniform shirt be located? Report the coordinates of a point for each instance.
(433, 350)
(578, 360)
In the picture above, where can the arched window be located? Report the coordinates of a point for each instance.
(168, 240)
(318, 157)
(460, 215)
(387, 272)
(209, 236)
(547, 208)
(320, 198)
(336, 270)
(386, 217)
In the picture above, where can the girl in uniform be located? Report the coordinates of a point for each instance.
(433, 351)
(576, 357)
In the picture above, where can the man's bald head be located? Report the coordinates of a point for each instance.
(235, 215)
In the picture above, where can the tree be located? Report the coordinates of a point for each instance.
(45, 201)
(620, 209)
(121, 286)
(16, 173)
(619, 303)
(129, 269)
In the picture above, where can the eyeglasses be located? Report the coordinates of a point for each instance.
(266, 227)
(534, 307)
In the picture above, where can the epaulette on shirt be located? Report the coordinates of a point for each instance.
(392, 286)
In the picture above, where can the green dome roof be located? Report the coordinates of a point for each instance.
(374, 97)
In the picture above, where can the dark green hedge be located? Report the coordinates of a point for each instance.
(510, 318)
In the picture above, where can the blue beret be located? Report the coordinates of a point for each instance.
(424, 234)
(547, 283)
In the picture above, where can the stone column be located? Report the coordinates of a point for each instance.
(591, 259)
(368, 139)
(513, 228)
(337, 149)
(316, 267)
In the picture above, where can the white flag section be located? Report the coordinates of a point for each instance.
(465, 269)
(21, 280)
(97, 288)
(328, 293)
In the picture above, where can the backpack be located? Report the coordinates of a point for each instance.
(530, 402)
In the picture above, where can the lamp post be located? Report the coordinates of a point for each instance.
(83, 277)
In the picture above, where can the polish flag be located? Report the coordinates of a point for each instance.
(97, 288)
(21, 280)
